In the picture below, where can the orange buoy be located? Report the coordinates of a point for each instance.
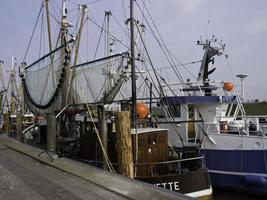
(228, 86)
(141, 110)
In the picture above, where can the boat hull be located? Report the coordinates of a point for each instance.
(237, 163)
(236, 182)
(195, 183)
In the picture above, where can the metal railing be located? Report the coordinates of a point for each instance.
(177, 165)
(253, 126)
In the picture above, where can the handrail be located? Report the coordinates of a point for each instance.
(173, 161)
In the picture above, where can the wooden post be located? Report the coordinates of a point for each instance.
(51, 132)
(124, 143)
(102, 127)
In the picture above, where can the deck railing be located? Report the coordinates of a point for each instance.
(176, 166)
(253, 126)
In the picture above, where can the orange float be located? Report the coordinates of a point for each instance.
(141, 110)
(228, 86)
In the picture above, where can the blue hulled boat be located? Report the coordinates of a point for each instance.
(211, 115)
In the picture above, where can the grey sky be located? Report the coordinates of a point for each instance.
(241, 24)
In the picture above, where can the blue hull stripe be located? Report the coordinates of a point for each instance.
(237, 183)
(232, 168)
(246, 161)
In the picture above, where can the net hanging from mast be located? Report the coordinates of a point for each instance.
(43, 80)
(99, 81)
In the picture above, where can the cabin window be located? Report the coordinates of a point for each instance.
(175, 110)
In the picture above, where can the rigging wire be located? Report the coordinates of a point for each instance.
(230, 68)
(41, 34)
(57, 6)
(92, 2)
(55, 16)
(163, 47)
(168, 111)
(36, 23)
(75, 17)
(162, 43)
(125, 17)
(113, 37)
(160, 86)
(122, 28)
(180, 63)
(54, 9)
(79, 14)
(87, 39)
(183, 64)
(100, 36)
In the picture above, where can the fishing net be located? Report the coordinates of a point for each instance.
(43, 80)
(100, 80)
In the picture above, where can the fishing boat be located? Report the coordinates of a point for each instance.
(83, 97)
(212, 115)
(14, 116)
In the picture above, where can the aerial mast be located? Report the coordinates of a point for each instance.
(132, 60)
(83, 9)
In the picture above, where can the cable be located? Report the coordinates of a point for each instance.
(125, 17)
(123, 29)
(115, 38)
(160, 86)
(33, 32)
(183, 64)
(100, 36)
(163, 48)
(92, 2)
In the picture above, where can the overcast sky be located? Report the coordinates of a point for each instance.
(241, 24)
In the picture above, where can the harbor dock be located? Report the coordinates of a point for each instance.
(28, 173)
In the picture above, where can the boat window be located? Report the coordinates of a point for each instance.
(175, 109)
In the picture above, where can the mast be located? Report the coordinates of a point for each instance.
(48, 26)
(3, 90)
(49, 37)
(79, 35)
(62, 42)
(108, 14)
(210, 52)
(133, 110)
(13, 86)
(108, 52)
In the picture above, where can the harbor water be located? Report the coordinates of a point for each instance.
(221, 194)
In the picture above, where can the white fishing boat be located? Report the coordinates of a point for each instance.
(212, 115)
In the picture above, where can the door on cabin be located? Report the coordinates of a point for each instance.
(191, 123)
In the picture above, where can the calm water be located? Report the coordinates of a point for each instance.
(220, 194)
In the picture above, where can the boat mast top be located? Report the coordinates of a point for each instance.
(210, 52)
